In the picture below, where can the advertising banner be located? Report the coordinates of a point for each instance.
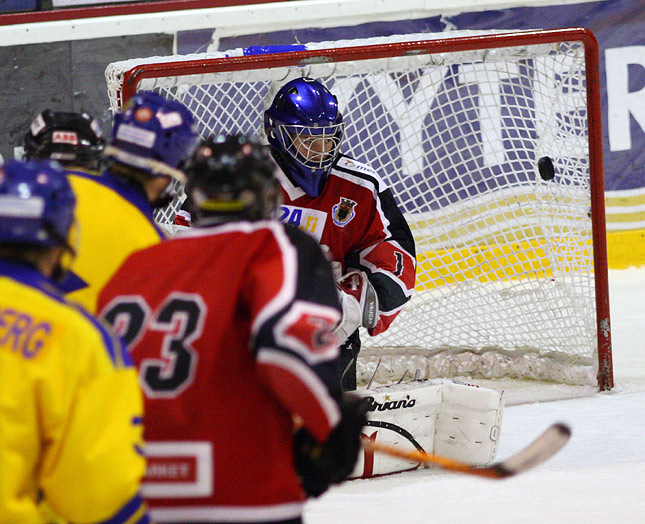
(618, 27)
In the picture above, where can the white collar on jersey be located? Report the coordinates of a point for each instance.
(291, 190)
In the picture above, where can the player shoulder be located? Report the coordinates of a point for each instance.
(72, 321)
(284, 237)
(96, 337)
(297, 237)
(359, 173)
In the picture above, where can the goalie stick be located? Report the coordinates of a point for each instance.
(538, 451)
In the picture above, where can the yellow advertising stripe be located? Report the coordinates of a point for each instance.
(628, 200)
(489, 263)
(503, 223)
(635, 216)
(626, 249)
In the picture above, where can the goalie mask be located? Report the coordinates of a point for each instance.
(37, 208)
(305, 129)
(73, 139)
(231, 178)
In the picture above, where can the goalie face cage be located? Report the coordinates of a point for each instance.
(512, 267)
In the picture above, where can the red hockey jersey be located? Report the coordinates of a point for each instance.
(230, 328)
(357, 218)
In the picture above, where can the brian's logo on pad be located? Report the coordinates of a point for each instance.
(343, 212)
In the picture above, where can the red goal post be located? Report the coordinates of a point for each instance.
(512, 278)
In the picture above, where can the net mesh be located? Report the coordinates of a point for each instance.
(505, 281)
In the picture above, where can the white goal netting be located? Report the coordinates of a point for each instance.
(506, 283)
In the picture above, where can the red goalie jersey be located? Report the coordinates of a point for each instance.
(357, 218)
(230, 327)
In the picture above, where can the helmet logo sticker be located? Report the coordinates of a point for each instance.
(343, 212)
(96, 128)
(136, 136)
(143, 114)
(65, 137)
(171, 119)
(37, 125)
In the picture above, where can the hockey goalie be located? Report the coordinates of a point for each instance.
(455, 420)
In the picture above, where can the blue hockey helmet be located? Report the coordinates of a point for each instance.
(153, 134)
(36, 204)
(305, 127)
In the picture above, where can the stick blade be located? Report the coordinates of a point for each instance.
(540, 450)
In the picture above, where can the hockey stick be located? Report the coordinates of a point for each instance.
(538, 451)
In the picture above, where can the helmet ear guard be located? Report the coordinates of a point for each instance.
(305, 128)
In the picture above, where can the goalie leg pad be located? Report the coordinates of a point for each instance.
(441, 417)
(468, 423)
(401, 415)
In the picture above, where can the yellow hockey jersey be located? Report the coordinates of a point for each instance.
(71, 410)
(114, 219)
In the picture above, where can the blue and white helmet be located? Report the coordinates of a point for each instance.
(305, 127)
(153, 134)
(36, 204)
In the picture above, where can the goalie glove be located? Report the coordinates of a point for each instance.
(321, 465)
(359, 303)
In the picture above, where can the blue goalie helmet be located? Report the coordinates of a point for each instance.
(305, 127)
(36, 204)
(153, 134)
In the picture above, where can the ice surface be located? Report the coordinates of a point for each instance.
(599, 477)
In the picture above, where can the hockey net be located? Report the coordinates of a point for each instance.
(512, 272)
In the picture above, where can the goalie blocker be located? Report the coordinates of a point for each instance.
(455, 420)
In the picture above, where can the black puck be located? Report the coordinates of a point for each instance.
(546, 169)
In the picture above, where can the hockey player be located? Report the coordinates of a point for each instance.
(150, 138)
(345, 205)
(235, 351)
(75, 140)
(70, 405)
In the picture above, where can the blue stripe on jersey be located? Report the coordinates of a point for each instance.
(126, 191)
(30, 276)
(113, 345)
(127, 511)
(72, 282)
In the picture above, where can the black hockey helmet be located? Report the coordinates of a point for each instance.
(70, 138)
(231, 177)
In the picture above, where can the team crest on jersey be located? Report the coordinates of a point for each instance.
(343, 212)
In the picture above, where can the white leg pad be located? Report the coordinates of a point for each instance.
(400, 415)
(469, 423)
(455, 420)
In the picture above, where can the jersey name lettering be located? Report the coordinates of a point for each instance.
(20, 332)
(310, 221)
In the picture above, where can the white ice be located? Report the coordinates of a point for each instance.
(599, 476)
